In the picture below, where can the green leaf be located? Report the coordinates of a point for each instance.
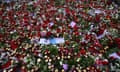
(86, 61)
(110, 51)
(53, 50)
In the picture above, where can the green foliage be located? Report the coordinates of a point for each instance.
(110, 51)
(2, 44)
(53, 50)
(86, 61)
(72, 62)
(59, 2)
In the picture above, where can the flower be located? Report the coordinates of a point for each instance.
(6, 65)
(83, 51)
(117, 41)
(105, 62)
(97, 18)
(65, 66)
(13, 45)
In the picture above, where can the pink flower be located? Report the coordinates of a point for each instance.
(98, 62)
(65, 66)
(43, 33)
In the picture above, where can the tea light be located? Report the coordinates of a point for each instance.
(45, 56)
(63, 70)
(58, 58)
(106, 47)
(49, 63)
(50, 60)
(46, 60)
(39, 60)
(56, 70)
(69, 57)
(49, 67)
(84, 70)
(88, 68)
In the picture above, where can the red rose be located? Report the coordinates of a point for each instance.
(49, 33)
(1, 12)
(96, 43)
(98, 70)
(89, 18)
(36, 53)
(76, 28)
(78, 55)
(18, 56)
(80, 6)
(1, 35)
(83, 51)
(6, 65)
(109, 2)
(92, 49)
(76, 33)
(98, 62)
(67, 11)
(117, 41)
(23, 70)
(87, 37)
(63, 30)
(108, 17)
(38, 34)
(118, 53)
(47, 52)
(100, 32)
(112, 58)
(97, 18)
(104, 62)
(13, 45)
(83, 43)
(58, 30)
(67, 42)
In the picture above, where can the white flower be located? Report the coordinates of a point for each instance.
(72, 24)
(51, 23)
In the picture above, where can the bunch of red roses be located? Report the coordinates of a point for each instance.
(90, 29)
